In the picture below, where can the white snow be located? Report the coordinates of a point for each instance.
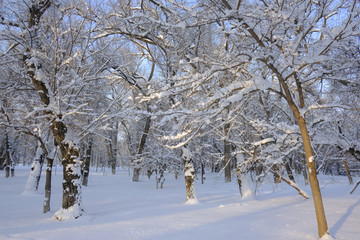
(326, 237)
(117, 208)
(68, 214)
(311, 159)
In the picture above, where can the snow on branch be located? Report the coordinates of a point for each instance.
(264, 141)
(318, 106)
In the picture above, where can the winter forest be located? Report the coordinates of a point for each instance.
(248, 93)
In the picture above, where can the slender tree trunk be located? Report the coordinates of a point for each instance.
(7, 156)
(239, 171)
(189, 172)
(48, 184)
(202, 172)
(112, 156)
(276, 172)
(160, 179)
(35, 171)
(137, 169)
(346, 167)
(86, 164)
(227, 154)
(304, 172)
(112, 149)
(314, 183)
(289, 171)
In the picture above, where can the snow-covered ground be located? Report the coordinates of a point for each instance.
(117, 208)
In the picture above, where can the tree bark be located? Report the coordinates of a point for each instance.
(70, 153)
(86, 164)
(48, 185)
(314, 183)
(289, 171)
(346, 167)
(276, 173)
(189, 172)
(304, 172)
(202, 172)
(137, 169)
(35, 171)
(239, 171)
(227, 154)
(7, 156)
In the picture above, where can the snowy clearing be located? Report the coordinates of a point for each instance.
(117, 208)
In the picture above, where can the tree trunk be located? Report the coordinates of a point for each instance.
(189, 172)
(71, 203)
(113, 165)
(346, 167)
(86, 164)
(276, 173)
(227, 154)
(7, 156)
(35, 171)
(71, 186)
(112, 148)
(304, 172)
(314, 183)
(48, 185)
(137, 169)
(202, 172)
(160, 179)
(239, 171)
(289, 171)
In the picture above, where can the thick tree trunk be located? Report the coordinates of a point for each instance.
(137, 169)
(189, 172)
(71, 203)
(48, 185)
(71, 186)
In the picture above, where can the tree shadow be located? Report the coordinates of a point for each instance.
(343, 218)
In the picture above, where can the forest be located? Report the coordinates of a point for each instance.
(253, 90)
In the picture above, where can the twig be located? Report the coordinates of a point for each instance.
(357, 184)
